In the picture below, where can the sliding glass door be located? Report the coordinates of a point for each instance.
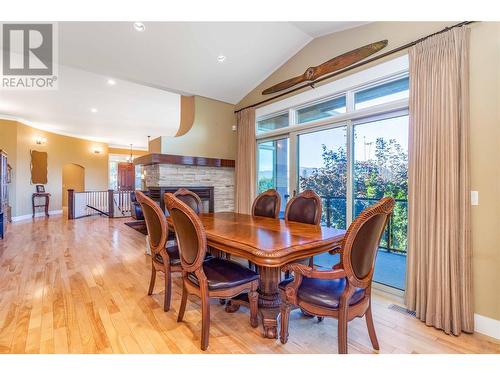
(322, 167)
(351, 148)
(272, 168)
(380, 168)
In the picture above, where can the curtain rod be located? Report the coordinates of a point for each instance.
(392, 51)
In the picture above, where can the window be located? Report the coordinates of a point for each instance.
(272, 123)
(273, 169)
(380, 168)
(354, 156)
(381, 94)
(318, 111)
(322, 165)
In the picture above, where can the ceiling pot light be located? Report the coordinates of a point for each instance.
(221, 58)
(139, 26)
(111, 82)
(93, 110)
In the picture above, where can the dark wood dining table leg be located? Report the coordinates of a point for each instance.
(269, 300)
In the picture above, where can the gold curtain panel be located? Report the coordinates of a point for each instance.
(38, 167)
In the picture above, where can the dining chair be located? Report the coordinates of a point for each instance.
(163, 259)
(344, 292)
(305, 208)
(211, 277)
(194, 202)
(267, 204)
(189, 198)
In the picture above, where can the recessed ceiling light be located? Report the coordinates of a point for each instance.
(93, 110)
(111, 82)
(139, 26)
(221, 58)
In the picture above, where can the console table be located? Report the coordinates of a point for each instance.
(46, 197)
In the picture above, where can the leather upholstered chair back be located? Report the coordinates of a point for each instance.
(155, 222)
(267, 204)
(189, 231)
(304, 208)
(361, 242)
(189, 198)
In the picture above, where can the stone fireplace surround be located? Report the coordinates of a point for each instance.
(163, 170)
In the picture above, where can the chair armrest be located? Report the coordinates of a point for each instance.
(300, 271)
(310, 272)
(336, 250)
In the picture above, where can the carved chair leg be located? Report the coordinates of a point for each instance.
(182, 308)
(371, 328)
(205, 320)
(253, 298)
(152, 281)
(285, 318)
(342, 331)
(168, 289)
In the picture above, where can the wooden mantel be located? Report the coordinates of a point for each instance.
(152, 159)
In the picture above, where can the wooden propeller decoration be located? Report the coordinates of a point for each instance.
(333, 65)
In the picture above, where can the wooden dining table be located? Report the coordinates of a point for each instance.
(269, 244)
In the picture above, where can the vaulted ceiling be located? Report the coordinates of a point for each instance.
(148, 66)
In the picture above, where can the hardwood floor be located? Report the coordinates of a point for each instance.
(81, 287)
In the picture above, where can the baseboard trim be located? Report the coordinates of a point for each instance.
(487, 326)
(38, 214)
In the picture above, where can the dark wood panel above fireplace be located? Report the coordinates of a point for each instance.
(151, 159)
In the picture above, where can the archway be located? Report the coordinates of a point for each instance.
(73, 177)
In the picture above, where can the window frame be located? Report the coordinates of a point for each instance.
(350, 114)
(350, 119)
(315, 102)
(270, 116)
(380, 82)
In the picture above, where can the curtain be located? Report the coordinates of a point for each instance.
(245, 161)
(439, 271)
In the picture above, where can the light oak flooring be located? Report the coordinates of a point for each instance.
(81, 287)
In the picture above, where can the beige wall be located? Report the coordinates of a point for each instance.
(485, 128)
(8, 143)
(126, 151)
(61, 150)
(73, 177)
(485, 165)
(155, 145)
(326, 47)
(211, 134)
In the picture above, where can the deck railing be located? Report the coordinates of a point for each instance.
(110, 203)
(395, 236)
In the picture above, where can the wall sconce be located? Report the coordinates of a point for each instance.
(97, 150)
(40, 140)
